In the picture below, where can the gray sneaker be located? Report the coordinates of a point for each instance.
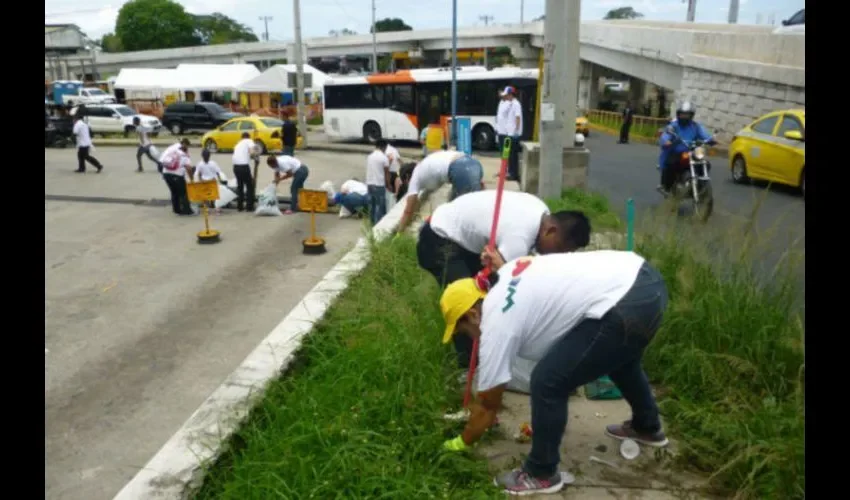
(625, 431)
(520, 483)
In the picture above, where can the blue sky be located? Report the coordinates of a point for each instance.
(97, 17)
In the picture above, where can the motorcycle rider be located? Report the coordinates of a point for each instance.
(674, 141)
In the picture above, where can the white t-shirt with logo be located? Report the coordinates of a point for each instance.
(467, 221)
(538, 300)
(501, 116)
(353, 186)
(375, 164)
(513, 110)
(432, 172)
(81, 130)
(207, 171)
(242, 152)
(394, 157)
(287, 164)
(174, 160)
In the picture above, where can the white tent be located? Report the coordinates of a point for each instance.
(146, 79)
(276, 79)
(212, 77)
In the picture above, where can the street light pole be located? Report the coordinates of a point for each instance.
(734, 7)
(692, 10)
(374, 41)
(299, 72)
(453, 131)
(266, 20)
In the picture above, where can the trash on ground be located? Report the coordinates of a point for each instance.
(267, 203)
(600, 415)
(525, 433)
(602, 388)
(601, 448)
(629, 449)
(603, 462)
(460, 416)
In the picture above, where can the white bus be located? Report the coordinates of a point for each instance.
(399, 105)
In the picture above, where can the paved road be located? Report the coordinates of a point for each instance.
(142, 324)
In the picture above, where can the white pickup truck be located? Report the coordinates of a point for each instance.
(88, 95)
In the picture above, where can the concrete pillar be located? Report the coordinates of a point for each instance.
(526, 57)
(593, 91)
(637, 92)
(238, 59)
(575, 161)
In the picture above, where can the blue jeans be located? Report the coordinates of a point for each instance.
(613, 346)
(354, 202)
(298, 180)
(465, 175)
(377, 203)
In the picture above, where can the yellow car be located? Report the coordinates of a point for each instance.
(772, 148)
(582, 126)
(264, 131)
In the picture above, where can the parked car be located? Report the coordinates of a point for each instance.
(182, 116)
(72, 93)
(795, 24)
(116, 119)
(582, 124)
(772, 148)
(264, 131)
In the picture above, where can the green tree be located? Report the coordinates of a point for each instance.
(390, 24)
(111, 43)
(216, 28)
(623, 13)
(155, 24)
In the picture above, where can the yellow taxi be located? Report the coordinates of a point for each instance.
(772, 148)
(582, 125)
(264, 131)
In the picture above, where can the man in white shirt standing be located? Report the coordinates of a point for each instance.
(175, 161)
(83, 134)
(465, 174)
(144, 144)
(501, 116)
(286, 167)
(208, 170)
(513, 129)
(580, 316)
(377, 180)
(395, 165)
(452, 242)
(242, 154)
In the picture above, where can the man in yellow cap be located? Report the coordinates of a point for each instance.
(580, 316)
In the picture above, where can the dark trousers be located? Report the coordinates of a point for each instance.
(179, 197)
(513, 157)
(668, 171)
(289, 150)
(298, 180)
(624, 132)
(83, 156)
(448, 262)
(393, 177)
(354, 202)
(377, 203)
(613, 346)
(244, 187)
(142, 151)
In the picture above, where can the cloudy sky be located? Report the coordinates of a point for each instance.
(97, 17)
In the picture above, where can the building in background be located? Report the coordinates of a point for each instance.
(67, 40)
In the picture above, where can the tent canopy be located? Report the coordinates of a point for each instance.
(275, 79)
(145, 79)
(211, 77)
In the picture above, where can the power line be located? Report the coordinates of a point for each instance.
(266, 20)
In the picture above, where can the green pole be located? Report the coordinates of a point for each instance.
(630, 224)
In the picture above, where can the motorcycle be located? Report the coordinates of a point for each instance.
(692, 177)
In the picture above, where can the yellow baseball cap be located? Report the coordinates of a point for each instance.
(457, 299)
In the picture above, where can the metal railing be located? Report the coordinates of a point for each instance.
(642, 126)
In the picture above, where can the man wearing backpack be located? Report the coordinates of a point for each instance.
(175, 161)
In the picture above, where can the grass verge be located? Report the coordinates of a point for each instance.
(729, 357)
(359, 414)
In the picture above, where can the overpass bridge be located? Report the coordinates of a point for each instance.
(733, 72)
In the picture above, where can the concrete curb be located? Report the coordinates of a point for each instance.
(177, 468)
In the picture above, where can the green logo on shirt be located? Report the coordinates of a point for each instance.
(521, 265)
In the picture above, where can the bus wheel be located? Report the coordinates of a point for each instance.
(483, 137)
(371, 132)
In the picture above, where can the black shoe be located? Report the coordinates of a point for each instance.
(78, 171)
(99, 169)
(140, 170)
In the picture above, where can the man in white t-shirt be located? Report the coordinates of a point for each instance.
(513, 128)
(175, 161)
(286, 167)
(353, 196)
(465, 174)
(243, 152)
(580, 316)
(395, 165)
(83, 134)
(501, 116)
(208, 170)
(377, 180)
(144, 144)
(452, 241)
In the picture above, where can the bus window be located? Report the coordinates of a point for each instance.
(403, 99)
(344, 96)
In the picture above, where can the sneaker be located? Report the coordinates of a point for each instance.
(99, 169)
(520, 483)
(288, 212)
(625, 431)
(140, 170)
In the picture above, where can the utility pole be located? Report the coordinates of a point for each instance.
(299, 72)
(453, 131)
(486, 19)
(374, 41)
(560, 91)
(733, 11)
(692, 9)
(266, 20)
(521, 11)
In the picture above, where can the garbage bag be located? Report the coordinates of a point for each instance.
(390, 200)
(267, 203)
(328, 187)
(225, 196)
(154, 152)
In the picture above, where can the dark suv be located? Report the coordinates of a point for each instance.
(182, 116)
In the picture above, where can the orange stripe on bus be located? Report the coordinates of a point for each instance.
(402, 76)
(413, 120)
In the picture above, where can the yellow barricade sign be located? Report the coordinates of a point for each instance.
(311, 200)
(202, 191)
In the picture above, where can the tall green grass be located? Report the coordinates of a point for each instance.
(729, 358)
(360, 415)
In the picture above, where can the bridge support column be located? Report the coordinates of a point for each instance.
(575, 161)
(526, 57)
